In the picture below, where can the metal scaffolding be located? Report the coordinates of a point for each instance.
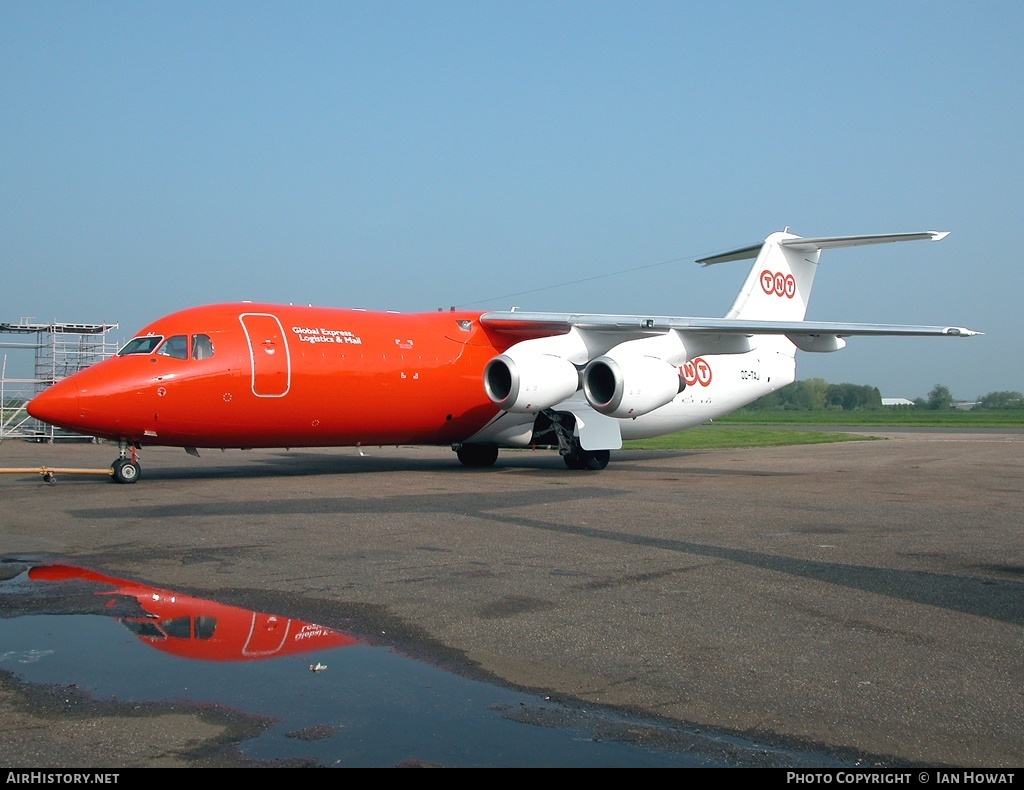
(60, 349)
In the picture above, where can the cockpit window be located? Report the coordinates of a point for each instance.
(140, 345)
(202, 347)
(205, 627)
(144, 628)
(179, 627)
(176, 346)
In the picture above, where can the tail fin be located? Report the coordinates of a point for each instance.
(779, 284)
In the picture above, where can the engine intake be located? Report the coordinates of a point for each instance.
(631, 385)
(636, 377)
(536, 374)
(529, 382)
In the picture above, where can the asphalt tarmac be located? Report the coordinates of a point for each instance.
(862, 597)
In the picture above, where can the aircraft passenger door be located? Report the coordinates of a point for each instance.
(268, 351)
(267, 635)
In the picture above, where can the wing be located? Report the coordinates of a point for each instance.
(642, 326)
(707, 335)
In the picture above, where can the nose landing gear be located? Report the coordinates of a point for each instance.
(126, 468)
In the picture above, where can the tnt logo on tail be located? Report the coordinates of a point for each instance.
(778, 284)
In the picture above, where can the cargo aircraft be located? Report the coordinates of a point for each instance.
(263, 375)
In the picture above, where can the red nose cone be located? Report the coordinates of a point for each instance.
(57, 405)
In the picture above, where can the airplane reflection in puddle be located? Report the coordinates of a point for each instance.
(196, 628)
(375, 708)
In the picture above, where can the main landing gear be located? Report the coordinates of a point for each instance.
(126, 468)
(590, 460)
(563, 425)
(477, 456)
(551, 427)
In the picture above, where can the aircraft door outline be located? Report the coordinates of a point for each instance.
(268, 354)
(264, 638)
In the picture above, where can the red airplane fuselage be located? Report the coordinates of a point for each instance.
(260, 375)
(197, 628)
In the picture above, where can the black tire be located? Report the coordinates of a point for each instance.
(575, 460)
(477, 456)
(589, 460)
(125, 471)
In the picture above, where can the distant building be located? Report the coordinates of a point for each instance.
(896, 402)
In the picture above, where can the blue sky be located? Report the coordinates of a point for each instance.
(550, 155)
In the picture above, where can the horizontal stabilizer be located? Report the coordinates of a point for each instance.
(823, 243)
(742, 254)
(829, 242)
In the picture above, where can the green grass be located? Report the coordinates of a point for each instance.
(768, 428)
(923, 418)
(712, 437)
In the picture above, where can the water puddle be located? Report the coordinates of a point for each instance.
(335, 700)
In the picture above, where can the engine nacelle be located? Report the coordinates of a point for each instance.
(637, 376)
(630, 385)
(536, 374)
(529, 382)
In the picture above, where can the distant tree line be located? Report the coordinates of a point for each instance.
(1003, 399)
(940, 398)
(813, 394)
